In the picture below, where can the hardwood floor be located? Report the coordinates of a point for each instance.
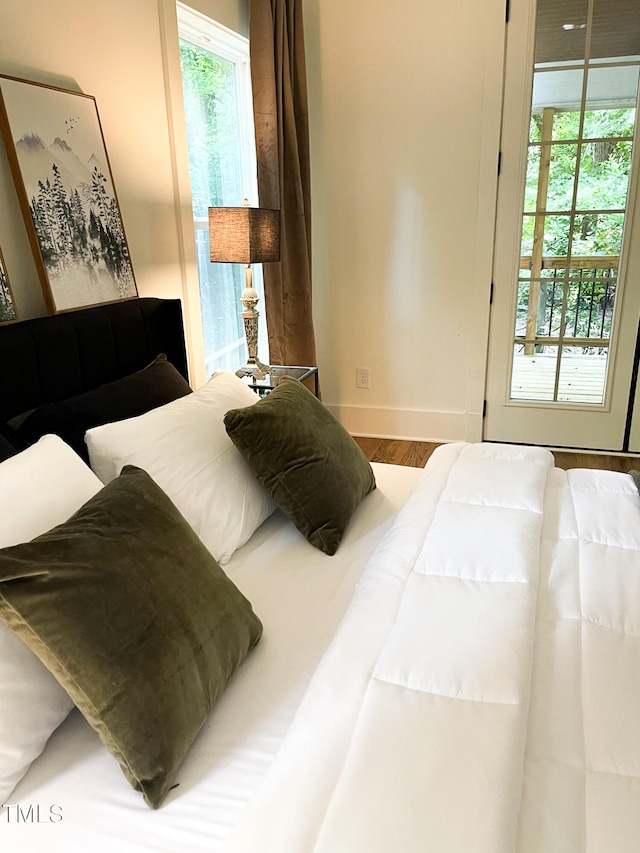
(596, 460)
(396, 452)
(416, 453)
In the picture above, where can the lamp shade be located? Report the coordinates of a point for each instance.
(244, 235)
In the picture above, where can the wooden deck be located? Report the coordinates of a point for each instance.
(582, 378)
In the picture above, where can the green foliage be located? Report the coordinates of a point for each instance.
(212, 127)
(599, 183)
(603, 181)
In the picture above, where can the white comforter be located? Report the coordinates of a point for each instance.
(483, 691)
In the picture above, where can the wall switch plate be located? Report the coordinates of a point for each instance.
(362, 377)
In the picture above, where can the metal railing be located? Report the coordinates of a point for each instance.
(574, 306)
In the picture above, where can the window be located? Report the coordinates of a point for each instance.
(216, 87)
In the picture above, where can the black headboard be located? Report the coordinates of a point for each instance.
(52, 358)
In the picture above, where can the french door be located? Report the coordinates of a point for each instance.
(566, 295)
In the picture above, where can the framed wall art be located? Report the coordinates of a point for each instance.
(7, 308)
(62, 175)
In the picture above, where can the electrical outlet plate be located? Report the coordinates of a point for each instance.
(362, 377)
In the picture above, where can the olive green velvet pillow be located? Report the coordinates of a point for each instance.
(135, 619)
(312, 468)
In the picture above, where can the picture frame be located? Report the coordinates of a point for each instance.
(7, 305)
(63, 179)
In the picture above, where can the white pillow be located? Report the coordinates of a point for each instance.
(185, 448)
(39, 488)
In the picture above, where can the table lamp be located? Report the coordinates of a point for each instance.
(246, 235)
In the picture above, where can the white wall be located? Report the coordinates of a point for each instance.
(404, 104)
(405, 110)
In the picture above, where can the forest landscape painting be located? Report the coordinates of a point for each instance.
(60, 167)
(7, 311)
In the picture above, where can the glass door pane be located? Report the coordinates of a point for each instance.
(582, 125)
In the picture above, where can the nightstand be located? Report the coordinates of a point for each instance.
(263, 386)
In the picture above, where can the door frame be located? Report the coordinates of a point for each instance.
(596, 427)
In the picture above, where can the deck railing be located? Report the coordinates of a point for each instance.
(574, 305)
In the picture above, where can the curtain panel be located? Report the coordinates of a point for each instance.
(279, 85)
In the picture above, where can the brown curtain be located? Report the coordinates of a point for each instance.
(282, 141)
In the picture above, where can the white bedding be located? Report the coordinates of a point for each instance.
(75, 798)
(483, 691)
(480, 695)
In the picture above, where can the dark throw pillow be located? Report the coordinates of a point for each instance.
(635, 476)
(133, 395)
(136, 620)
(310, 465)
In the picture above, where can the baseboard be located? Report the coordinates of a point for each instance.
(409, 424)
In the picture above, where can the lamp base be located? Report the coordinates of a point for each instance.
(253, 368)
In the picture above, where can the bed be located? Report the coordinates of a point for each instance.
(444, 659)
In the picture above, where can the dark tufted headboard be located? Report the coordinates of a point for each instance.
(52, 358)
